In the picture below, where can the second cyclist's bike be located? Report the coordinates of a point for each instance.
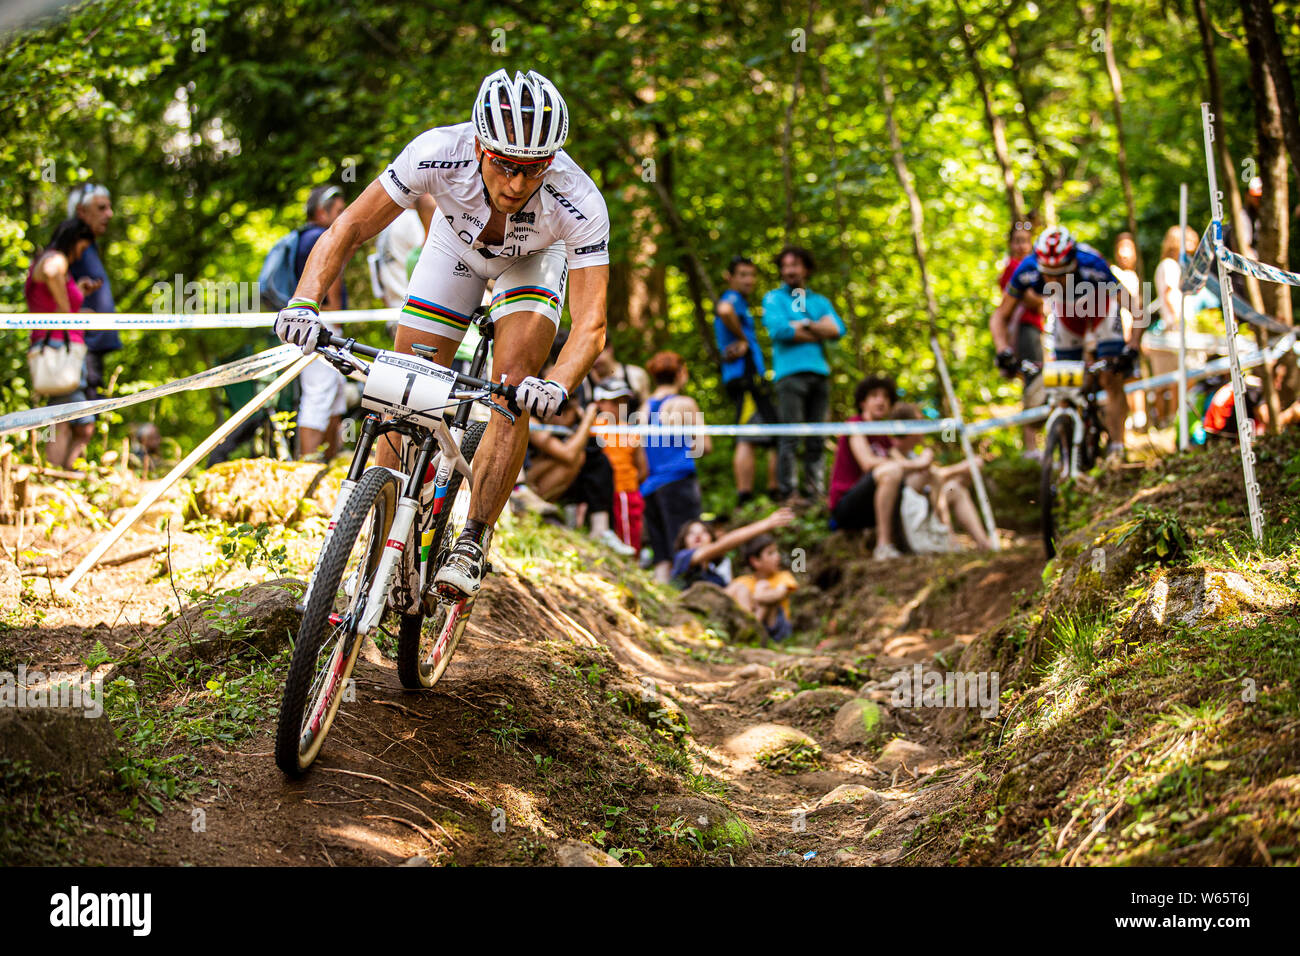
(388, 534)
(1074, 433)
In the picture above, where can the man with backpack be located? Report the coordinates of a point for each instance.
(323, 401)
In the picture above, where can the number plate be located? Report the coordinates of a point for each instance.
(1063, 374)
(408, 387)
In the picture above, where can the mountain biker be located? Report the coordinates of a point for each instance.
(515, 208)
(1086, 296)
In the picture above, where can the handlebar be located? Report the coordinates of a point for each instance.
(1030, 369)
(348, 346)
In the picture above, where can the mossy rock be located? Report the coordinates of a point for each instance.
(860, 722)
(647, 704)
(776, 747)
(759, 693)
(1196, 597)
(265, 491)
(716, 824)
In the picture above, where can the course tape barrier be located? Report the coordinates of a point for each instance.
(99, 321)
(1197, 271)
(949, 426)
(1260, 270)
(242, 370)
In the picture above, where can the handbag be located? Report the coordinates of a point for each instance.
(56, 367)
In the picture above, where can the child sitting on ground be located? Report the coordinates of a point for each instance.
(765, 590)
(698, 553)
(945, 484)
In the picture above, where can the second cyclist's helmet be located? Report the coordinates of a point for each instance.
(1054, 249)
(522, 118)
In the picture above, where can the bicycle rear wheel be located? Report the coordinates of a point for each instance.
(1055, 468)
(328, 642)
(424, 651)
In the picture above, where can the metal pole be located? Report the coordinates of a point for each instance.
(144, 504)
(1183, 438)
(1245, 427)
(976, 475)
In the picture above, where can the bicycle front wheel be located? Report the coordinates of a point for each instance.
(424, 651)
(1055, 469)
(328, 642)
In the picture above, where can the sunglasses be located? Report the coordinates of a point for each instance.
(533, 169)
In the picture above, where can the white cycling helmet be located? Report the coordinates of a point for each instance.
(1055, 250)
(523, 118)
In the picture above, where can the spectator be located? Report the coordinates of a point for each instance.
(397, 250)
(670, 489)
(944, 484)
(1169, 300)
(743, 371)
(1025, 331)
(146, 445)
(50, 287)
(1126, 272)
(764, 589)
(698, 552)
(800, 322)
(323, 402)
(866, 482)
(571, 470)
(608, 367)
(1221, 415)
(617, 402)
(93, 206)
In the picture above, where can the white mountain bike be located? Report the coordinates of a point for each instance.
(388, 535)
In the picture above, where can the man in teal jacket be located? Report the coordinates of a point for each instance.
(800, 322)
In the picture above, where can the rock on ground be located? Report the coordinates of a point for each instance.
(899, 752)
(262, 490)
(774, 745)
(61, 740)
(575, 853)
(859, 723)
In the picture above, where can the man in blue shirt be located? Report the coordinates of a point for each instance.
(800, 322)
(742, 372)
(93, 205)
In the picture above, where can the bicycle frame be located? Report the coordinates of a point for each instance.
(443, 441)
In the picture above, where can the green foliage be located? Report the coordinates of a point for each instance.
(211, 120)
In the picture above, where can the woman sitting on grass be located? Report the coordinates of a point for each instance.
(945, 484)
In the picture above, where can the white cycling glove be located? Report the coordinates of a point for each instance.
(299, 324)
(539, 397)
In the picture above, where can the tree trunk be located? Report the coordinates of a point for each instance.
(1015, 199)
(787, 130)
(905, 180)
(1051, 177)
(697, 277)
(856, 332)
(1228, 176)
(1262, 26)
(1117, 100)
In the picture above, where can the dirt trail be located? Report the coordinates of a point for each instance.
(561, 722)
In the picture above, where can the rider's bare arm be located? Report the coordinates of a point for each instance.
(587, 335)
(998, 321)
(358, 223)
(1140, 319)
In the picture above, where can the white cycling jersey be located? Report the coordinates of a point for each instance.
(566, 206)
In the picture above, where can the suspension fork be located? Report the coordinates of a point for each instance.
(399, 537)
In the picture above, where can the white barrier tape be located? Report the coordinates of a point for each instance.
(1196, 342)
(910, 427)
(255, 366)
(100, 321)
(1260, 270)
(1197, 271)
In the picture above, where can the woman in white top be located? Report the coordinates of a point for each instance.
(1169, 298)
(1125, 264)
